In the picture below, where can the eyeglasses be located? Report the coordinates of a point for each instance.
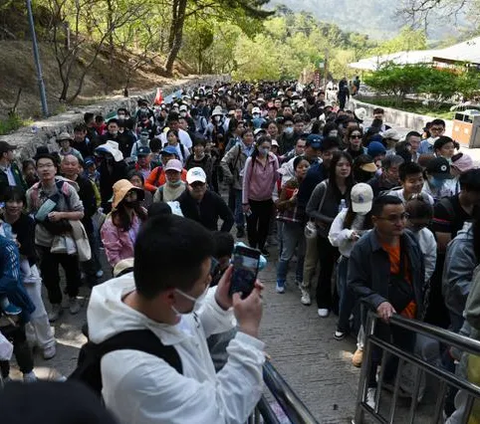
(356, 136)
(395, 218)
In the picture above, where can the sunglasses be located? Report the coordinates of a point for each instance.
(356, 137)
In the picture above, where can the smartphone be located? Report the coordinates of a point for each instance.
(245, 269)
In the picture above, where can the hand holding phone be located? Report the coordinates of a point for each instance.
(245, 269)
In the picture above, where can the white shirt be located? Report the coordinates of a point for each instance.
(340, 237)
(183, 136)
(143, 389)
(399, 193)
(10, 176)
(428, 246)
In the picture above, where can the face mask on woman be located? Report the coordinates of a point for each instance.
(288, 130)
(263, 151)
(174, 183)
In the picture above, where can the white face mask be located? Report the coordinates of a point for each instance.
(197, 301)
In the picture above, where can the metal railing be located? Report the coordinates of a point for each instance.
(292, 406)
(445, 377)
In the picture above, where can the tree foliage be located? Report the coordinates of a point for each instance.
(437, 85)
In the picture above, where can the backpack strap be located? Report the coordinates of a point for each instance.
(143, 341)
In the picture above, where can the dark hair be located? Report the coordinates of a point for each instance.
(50, 156)
(224, 244)
(26, 163)
(392, 160)
(99, 119)
(437, 122)
(470, 180)
(350, 217)
(329, 143)
(175, 132)
(246, 130)
(133, 173)
(378, 110)
(419, 207)
(381, 201)
(13, 193)
(121, 218)
(329, 126)
(441, 141)
(155, 144)
(80, 128)
(171, 244)
(172, 117)
(409, 168)
(258, 143)
(199, 141)
(297, 160)
(359, 175)
(412, 134)
(112, 121)
(88, 117)
(332, 182)
(158, 209)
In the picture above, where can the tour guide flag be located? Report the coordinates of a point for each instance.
(159, 97)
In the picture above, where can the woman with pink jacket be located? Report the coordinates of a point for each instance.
(121, 227)
(260, 176)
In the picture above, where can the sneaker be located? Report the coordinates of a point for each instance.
(240, 232)
(280, 287)
(371, 394)
(99, 273)
(339, 335)
(323, 312)
(49, 352)
(74, 306)
(55, 312)
(12, 310)
(305, 299)
(29, 377)
(357, 358)
(265, 252)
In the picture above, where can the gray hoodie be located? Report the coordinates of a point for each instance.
(460, 262)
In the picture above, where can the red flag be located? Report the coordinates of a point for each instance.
(158, 98)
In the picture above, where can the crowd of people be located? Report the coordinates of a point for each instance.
(372, 218)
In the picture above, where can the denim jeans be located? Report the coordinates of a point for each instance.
(292, 237)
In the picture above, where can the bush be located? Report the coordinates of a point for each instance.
(12, 123)
(437, 85)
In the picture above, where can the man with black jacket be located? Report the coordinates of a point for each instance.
(386, 271)
(202, 205)
(10, 174)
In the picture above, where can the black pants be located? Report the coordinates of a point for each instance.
(49, 263)
(327, 256)
(401, 338)
(258, 223)
(23, 355)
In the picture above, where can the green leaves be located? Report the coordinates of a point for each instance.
(436, 85)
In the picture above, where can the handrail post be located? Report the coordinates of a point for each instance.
(366, 364)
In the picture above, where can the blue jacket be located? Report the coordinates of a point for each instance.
(10, 281)
(369, 270)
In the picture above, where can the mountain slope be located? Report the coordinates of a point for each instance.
(377, 18)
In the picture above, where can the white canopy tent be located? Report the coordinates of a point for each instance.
(467, 51)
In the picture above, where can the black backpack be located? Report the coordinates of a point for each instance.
(88, 365)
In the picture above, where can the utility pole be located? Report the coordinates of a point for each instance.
(36, 57)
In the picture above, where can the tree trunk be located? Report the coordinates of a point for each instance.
(178, 20)
(111, 43)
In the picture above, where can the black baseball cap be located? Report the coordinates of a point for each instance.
(143, 151)
(439, 168)
(314, 141)
(6, 147)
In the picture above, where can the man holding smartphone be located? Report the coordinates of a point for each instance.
(168, 294)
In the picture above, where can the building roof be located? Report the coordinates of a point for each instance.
(467, 51)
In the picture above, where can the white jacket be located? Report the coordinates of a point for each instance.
(428, 246)
(143, 389)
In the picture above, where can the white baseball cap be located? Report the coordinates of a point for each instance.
(174, 165)
(196, 174)
(362, 198)
(392, 134)
(256, 110)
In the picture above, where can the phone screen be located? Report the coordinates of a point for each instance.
(245, 269)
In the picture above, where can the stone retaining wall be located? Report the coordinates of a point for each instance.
(43, 133)
(400, 118)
